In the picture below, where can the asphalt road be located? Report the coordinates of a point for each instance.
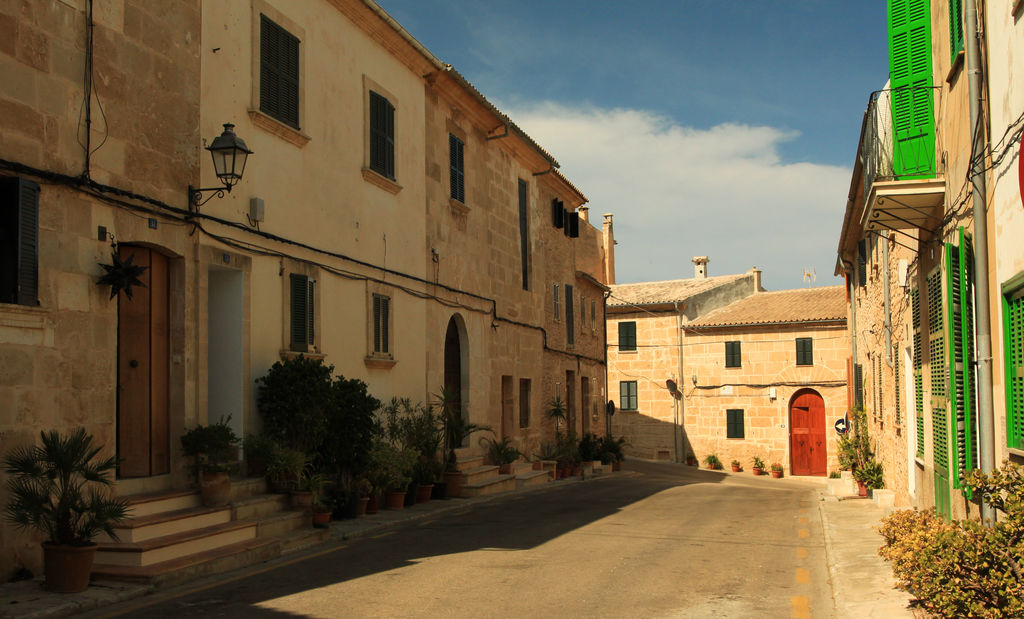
(670, 541)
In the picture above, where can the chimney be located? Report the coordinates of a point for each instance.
(584, 212)
(609, 250)
(700, 267)
(756, 272)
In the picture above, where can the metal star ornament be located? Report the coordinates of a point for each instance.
(122, 275)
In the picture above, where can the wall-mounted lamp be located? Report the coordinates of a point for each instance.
(229, 155)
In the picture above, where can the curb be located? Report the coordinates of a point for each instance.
(826, 532)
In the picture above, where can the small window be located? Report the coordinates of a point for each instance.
(556, 305)
(302, 288)
(457, 169)
(279, 73)
(570, 328)
(733, 357)
(19, 241)
(627, 336)
(804, 351)
(382, 136)
(627, 395)
(381, 325)
(734, 423)
(524, 402)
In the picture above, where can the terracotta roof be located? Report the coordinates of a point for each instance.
(784, 306)
(651, 293)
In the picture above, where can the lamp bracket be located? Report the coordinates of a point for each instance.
(195, 195)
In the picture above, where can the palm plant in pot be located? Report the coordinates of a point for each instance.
(758, 465)
(501, 452)
(58, 489)
(321, 504)
(712, 462)
(214, 453)
(455, 427)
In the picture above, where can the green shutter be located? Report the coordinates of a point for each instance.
(960, 318)
(570, 314)
(956, 28)
(733, 355)
(804, 351)
(1013, 344)
(299, 309)
(897, 379)
(457, 170)
(382, 135)
(939, 395)
(915, 304)
(910, 78)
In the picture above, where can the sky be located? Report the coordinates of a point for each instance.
(725, 129)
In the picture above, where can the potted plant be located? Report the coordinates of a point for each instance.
(611, 451)
(691, 460)
(214, 453)
(423, 474)
(758, 465)
(363, 490)
(392, 467)
(58, 489)
(501, 452)
(556, 412)
(455, 427)
(712, 462)
(258, 449)
(869, 477)
(776, 470)
(284, 469)
(321, 504)
(736, 466)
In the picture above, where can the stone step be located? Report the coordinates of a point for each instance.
(521, 467)
(247, 487)
(495, 485)
(527, 479)
(468, 463)
(256, 507)
(479, 474)
(176, 546)
(302, 539)
(283, 523)
(158, 502)
(196, 565)
(141, 528)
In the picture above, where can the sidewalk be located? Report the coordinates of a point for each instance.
(28, 600)
(862, 583)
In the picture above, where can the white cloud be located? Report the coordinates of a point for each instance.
(679, 192)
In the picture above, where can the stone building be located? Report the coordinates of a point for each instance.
(344, 240)
(765, 376)
(932, 366)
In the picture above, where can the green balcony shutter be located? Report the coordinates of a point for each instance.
(960, 298)
(897, 379)
(956, 28)
(858, 385)
(910, 78)
(939, 395)
(915, 305)
(1013, 344)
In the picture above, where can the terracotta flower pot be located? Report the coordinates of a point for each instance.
(423, 492)
(862, 490)
(394, 500)
(758, 471)
(67, 567)
(735, 468)
(214, 488)
(373, 504)
(776, 474)
(321, 520)
(302, 499)
(505, 469)
(361, 504)
(690, 461)
(617, 465)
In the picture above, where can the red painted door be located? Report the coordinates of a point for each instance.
(807, 434)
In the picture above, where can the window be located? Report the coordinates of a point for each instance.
(19, 241)
(570, 329)
(916, 361)
(381, 325)
(734, 423)
(627, 336)
(804, 351)
(524, 238)
(910, 78)
(524, 402)
(557, 307)
(627, 395)
(733, 358)
(382, 135)
(302, 312)
(956, 28)
(862, 262)
(1013, 344)
(279, 73)
(457, 169)
(858, 385)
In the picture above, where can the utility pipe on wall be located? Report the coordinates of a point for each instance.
(982, 324)
(680, 429)
(888, 307)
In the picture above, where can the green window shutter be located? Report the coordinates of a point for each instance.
(938, 387)
(279, 73)
(858, 385)
(627, 336)
(310, 288)
(1013, 344)
(956, 28)
(734, 423)
(897, 379)
(381, 323)
(299, 312)
(733, 355)
(910, 78)
(804, 351)
(960, 317)
(457, 168)
(915, 307)
(382, 135)
(862, 262)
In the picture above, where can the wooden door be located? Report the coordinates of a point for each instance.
(807, 434)
(142, 369)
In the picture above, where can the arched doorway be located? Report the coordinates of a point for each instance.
(808, 451)
(455, 362)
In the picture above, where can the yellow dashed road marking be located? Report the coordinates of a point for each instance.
(802, 520)
(803, 576)
(803, 533)
(382, 535)
(801, 607)
(801, 552)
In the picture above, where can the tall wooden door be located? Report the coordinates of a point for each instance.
(807, 434)
(142, 369)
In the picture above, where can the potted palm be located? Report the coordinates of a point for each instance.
(712, 462)
(776, 470)
(58, 489)
(321, 504)
(758, 465)
(501, 452)
(214, 453)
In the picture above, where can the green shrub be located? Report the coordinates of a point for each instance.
(293, 400)
(350, 428)
(870, 474)
(712, 461)
(213, 448)
(962, 568)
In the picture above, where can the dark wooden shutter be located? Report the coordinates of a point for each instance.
(301, 312)
(734, 423)
(574, 224)
(862, 262)
(382, 135)
(570, 330)
(524, 239)
(804, 351)
(858, 385)
(456, 161)
(627, 336)
(910, 77)
(733, 355)
(28, 243)
(557, 213)
(381, 323)
(279, 73)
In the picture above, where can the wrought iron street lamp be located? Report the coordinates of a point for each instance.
(229, 155)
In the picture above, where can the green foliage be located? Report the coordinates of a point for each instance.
(56, 488)
(611, 449)
(547, 450)
(855, 446)
(834, 475)
(345, 446)
(777, 467)
(870, 474)
(758, 462)
(556, 410)
(712, 461)
(590, 447)
(294, 399)
(456, 427)
(735, 463)
(213, 448)
(285, 467)
(258, 446)
(500, 451)
(568, 447)
(391, 466)
(962, 568)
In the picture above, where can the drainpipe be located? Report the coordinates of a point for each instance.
(852, 291)
(888, 307)
(983, 328)
(604, 327)
(678, 429)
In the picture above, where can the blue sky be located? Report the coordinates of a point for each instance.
(725, 129)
